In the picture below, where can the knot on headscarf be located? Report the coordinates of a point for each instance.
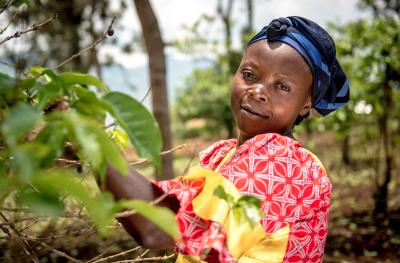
(277, 28)
(330, 86)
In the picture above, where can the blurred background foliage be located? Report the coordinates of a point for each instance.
(359, 144)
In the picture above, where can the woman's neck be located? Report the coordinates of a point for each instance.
(242, 138)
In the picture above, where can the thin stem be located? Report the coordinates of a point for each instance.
(34, 27)
(90, 47)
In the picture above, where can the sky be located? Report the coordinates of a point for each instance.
(174, 14)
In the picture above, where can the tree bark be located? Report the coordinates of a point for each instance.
(346, 149)
(226, 19)
(158, 84)
(381, 196)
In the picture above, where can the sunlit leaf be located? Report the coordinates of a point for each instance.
(21, 119)
(120, 138)
(69, 78)
(138, 123)
(161, 216)
(38, 71)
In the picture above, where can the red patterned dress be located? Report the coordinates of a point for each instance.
(289, 180)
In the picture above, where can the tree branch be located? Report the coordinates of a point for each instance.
(108, 32)
(162, 258)
(117, 255)
(162, 153)
(34, 27)
(5, 6)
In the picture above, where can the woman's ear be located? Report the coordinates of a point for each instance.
(307, 106)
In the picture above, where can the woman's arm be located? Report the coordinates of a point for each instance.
(135, 186)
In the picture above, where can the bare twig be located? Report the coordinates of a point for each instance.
(154, 202)
(101, 254)
(145, 95)
(19, 240)
(5, 6)
(11, 66)
(16, 210)
(144, 253)
(9, 23)
(90, 47)
(193, 154)
(34, 27)
(117, 255)
(162, 153)
(9, 223)
(110, 125)
(146, 259)
(61, 253)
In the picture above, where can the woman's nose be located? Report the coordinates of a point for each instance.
(257, 94)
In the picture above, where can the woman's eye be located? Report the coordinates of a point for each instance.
(248, 75)
(283, 87)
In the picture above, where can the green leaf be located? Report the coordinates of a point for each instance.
(7, 83)
(248, 208)
(251, 200)
(19, 121)
(44, 204)
(86, 102)
(112, 154)
(220, 192)
(47, 93)
(38, 71)
(139, 124)
(161, 216)
(69, 78)
(120, 138)
(87, 138)
(99, 207)
(28, 158)
(53, 135)
(96, 145)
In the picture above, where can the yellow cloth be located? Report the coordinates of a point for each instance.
(246, 243)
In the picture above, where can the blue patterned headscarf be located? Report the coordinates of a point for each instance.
(330, 85)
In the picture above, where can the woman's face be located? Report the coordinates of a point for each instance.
(270, 89)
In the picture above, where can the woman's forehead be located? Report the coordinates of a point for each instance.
(276, 53)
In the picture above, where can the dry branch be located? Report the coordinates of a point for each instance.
(5, 6)
(117, 255)
(162, 258)
(34, 27)
(162, 153)
(108, 32)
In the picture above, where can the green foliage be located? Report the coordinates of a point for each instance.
(161, 216)
(46, 112)
(245, 209)
(206, 96)
(141, 127)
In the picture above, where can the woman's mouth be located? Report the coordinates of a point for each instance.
(249, 111)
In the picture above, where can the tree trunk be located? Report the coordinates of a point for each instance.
(158, 84)
(346, 149)
(381, 195)
(226, 19)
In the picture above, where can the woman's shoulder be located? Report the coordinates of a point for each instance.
(281, 149)
(211, 156)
